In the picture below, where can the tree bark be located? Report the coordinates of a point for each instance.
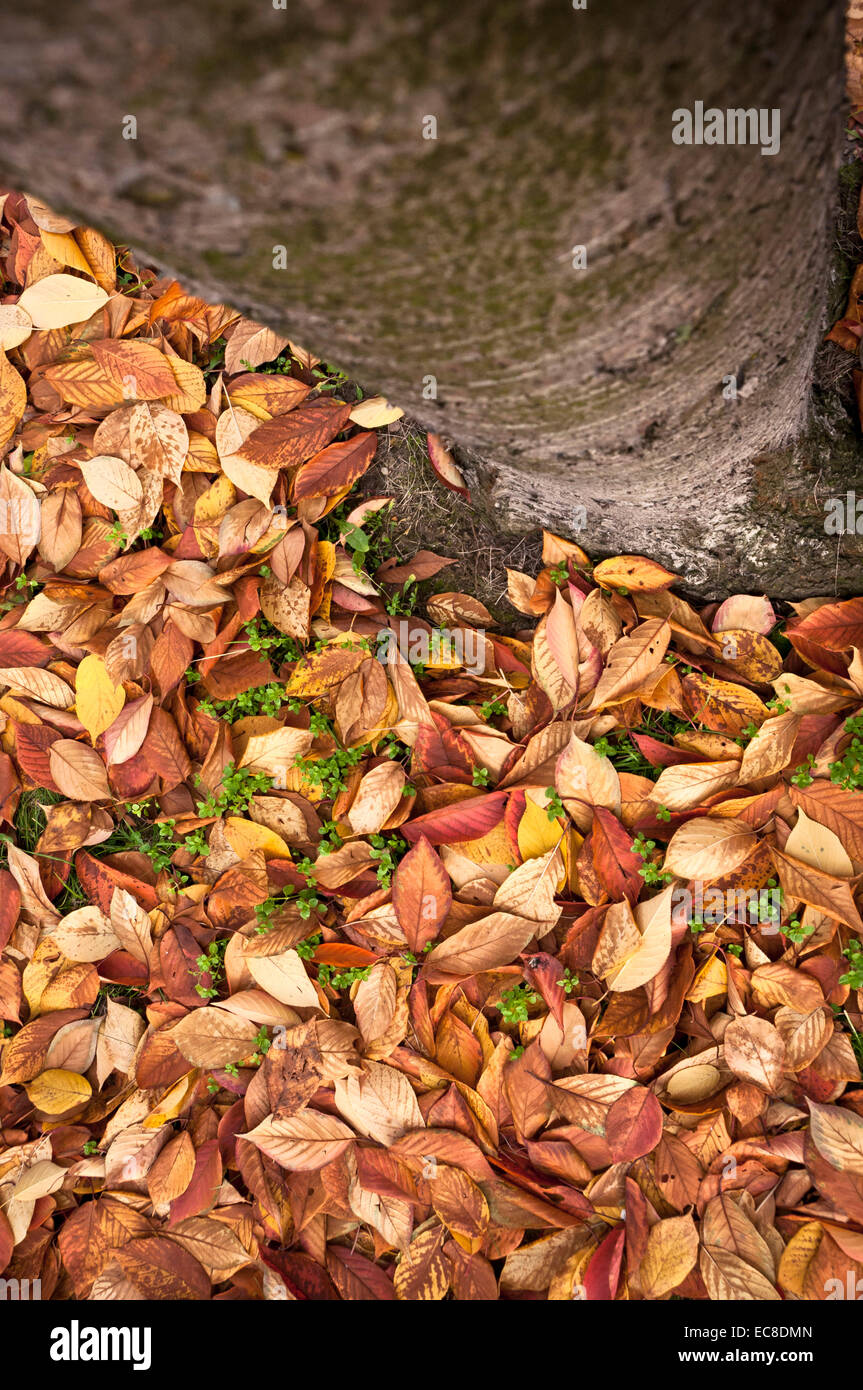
(451, 258)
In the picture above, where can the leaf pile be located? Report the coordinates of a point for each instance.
(349, 954)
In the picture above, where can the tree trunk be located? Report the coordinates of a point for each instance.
(446, 264)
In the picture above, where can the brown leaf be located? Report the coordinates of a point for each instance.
(491, 942)
(250, 344)
(302, 1142)
(838, 1136)
(78, 771)
(755, 1052)
(211, 1037)
(423, 1274)
(422, 895)
(379, 793)
(160, 1269)
(672, 1250)
(820, 890)
(707, 849)
(445, 467)
(630, 661)
(630, 572)
(292, 438)
(336, 467)
(836, 807)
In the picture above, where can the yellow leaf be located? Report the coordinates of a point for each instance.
(654, 923)
(191, 389)
(244, 836)
(492, 849)
(798, 1256)
(212, 504)
(375, 412)
(536, 833)
(711, 979)
(202, 456)
(65, 249)
(672, 1249)
(816, 845)
(632, 572)
(58, 300)
(13, 399)
(322, 670)
(326, 558)
(173, 1101)
(51, 981)
(423, 1275)
(98, 700)
(56, 1091)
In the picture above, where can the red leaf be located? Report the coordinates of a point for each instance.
(661, 754)
(336, 467)
(290, 439)
(422, 896)
(344, 954)
(356, 1277)
(203, 1190)
(616, 865)
(10, 904)
(445, 467)
(32, 742)
(23, 649)
(633, 1126)
(99, 879)
(465, 820)
(304, 1277)
(603, 1273)
(163, 750)
(543, 972)
(836, 626)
